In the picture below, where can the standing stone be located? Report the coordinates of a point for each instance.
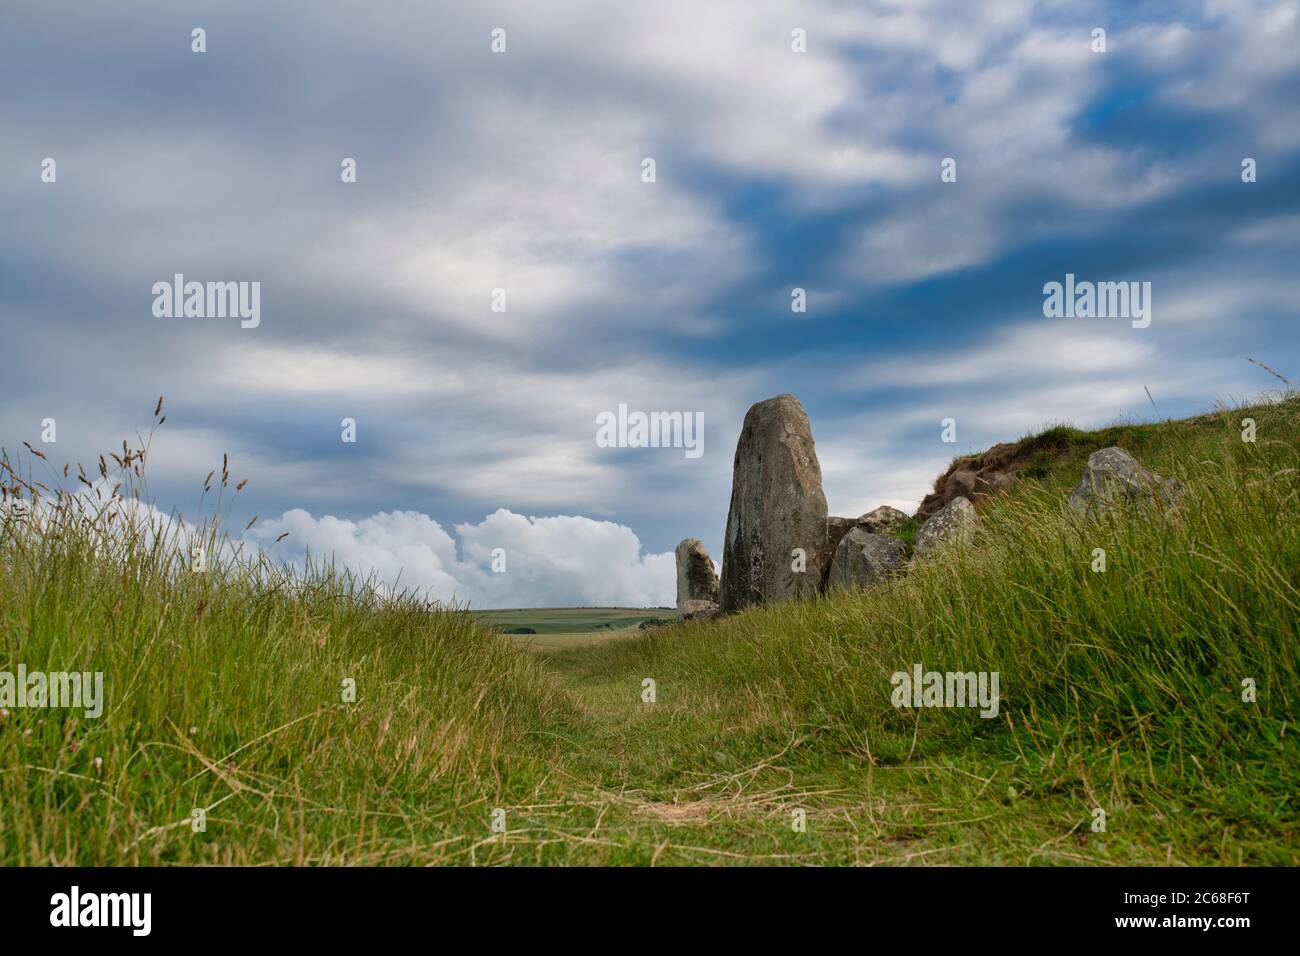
(954, 520)
(884, 520)
(777, 506)
(1114, 477)
(863, 559)
(696, 579)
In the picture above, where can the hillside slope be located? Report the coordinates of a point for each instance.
(772, 736)
(1121, 689)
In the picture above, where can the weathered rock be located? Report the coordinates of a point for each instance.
(1114, 477)
(884, 520)
(953, 521)
(1000, 483)
(863, 559)
(696, 579)
(700, 610)
(836, 528)
(777, 506)
(995, 470)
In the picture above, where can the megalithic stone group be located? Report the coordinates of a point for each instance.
(782, 545)
(780, 542)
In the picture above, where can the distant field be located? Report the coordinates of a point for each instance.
(569, 627)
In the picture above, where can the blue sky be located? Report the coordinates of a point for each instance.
(522, 170)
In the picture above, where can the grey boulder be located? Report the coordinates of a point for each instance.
(883, 520)
(1113, 477)
(953, 522)
(863, 559)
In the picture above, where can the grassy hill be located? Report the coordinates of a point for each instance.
(1121, 692)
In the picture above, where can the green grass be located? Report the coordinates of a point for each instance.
(1120, 691)
(906, 532)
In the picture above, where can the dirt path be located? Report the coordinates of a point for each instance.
(550, 643)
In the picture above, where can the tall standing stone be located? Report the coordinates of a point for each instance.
(777, 522)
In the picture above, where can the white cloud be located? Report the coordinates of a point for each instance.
(861, 476)
(1049, 348)
(558, 561)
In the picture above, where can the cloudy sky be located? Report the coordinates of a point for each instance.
(523, 171)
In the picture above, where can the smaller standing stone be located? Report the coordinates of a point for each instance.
(863, 559)
(953, 521)
(696, 579)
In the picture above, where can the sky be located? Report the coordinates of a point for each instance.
(796, 145)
